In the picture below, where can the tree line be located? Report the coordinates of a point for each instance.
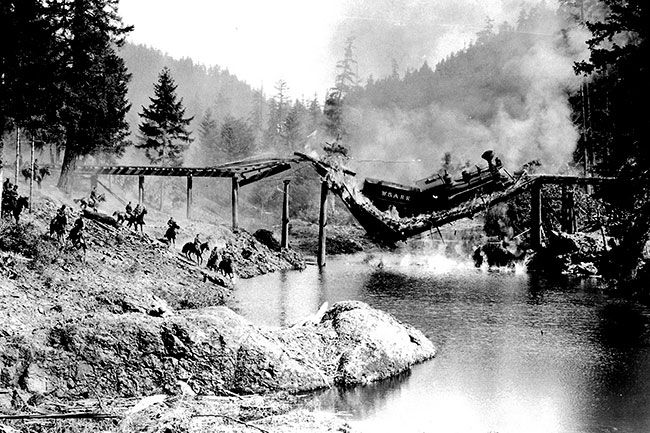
(62, 80)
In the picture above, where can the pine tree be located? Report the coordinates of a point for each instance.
(294, 127)
(315, 115)
(347, 79)
(237, 139)
(93, 80)
(209, 136)
(163, 131)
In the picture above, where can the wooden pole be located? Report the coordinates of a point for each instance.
(235, 203)
(536, 215)
(17, 156)
(284, 243)
(322, 224)
(188, 212)
(140, 189)
(2, 153)
(571, 213)
(31, 177)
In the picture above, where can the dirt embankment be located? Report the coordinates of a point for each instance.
(135, 319)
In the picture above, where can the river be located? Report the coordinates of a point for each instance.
(517, 352)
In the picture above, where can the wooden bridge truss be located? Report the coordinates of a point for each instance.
(241, 173)
(337, 180)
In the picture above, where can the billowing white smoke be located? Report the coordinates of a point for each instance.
(535, 124)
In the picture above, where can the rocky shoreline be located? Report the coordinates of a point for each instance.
(135, 321)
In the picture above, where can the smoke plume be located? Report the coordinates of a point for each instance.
(508, 92)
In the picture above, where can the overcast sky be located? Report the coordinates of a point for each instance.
(262, 41)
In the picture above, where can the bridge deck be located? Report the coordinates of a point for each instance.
(246, 172)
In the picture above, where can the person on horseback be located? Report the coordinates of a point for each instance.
(92, 199)
(197, 242)
(6, 185)
(170, 234)
(129, 209)
(77, 233)
(62, 215)
(37, 169)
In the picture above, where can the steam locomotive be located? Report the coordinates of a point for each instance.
(438, 192)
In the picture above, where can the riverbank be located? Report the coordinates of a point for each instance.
(134, 319)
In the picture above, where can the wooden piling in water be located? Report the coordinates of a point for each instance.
(188, 210)
(235, 203)
(284, 243)
(322, 224)
(536, 215)
(17, 156)
(568, 210)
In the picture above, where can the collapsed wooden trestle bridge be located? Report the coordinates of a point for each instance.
(341, 182)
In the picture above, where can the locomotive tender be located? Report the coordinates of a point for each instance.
(438, 192)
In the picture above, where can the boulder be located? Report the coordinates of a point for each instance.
(212, 350)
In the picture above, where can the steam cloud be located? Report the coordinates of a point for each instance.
(536, 125)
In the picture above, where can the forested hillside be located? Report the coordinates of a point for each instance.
(509, 91)
(201, 87)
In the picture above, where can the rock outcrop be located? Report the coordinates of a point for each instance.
(211, 351)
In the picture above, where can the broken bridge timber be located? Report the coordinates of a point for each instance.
(384, 227)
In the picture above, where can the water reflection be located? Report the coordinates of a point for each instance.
(517, 353)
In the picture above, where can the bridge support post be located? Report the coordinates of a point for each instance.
(568, 212)
(140, 189)
(284, 243)
(235, 203)
(322, 224)
(188, 210)
(536, 215)
(31, 178)
(17, 156)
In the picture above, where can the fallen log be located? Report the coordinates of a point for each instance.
(101, 217)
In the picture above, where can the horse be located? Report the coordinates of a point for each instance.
(120, 217)
(190, 248)
(14, 207)
(170, 234)
(38, 177)
(225, 267)
(136, 220)
(85, 202)
(57, 227)
(213, 260)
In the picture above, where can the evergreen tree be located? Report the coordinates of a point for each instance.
(27, 65)
(618, 66)
(163, 131)
(257, 115)
(94, 81)
(237, 139)
(209, 136)
(315, 116)
(347, 79)
(294, 127)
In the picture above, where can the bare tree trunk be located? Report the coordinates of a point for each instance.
(31, 177)
(17, 156)
(68, 166)
(2, 152)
